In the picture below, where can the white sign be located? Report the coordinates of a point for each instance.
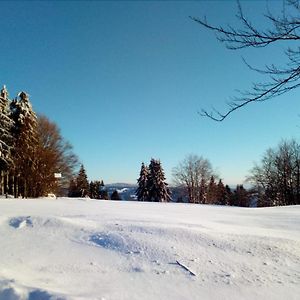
(57, 175)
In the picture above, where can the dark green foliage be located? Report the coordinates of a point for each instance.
(228, 196)
(79, 187)
(82, 183)
(212, 192)
(221, 193)
(104, 194)
(142, 191)
(115, 196)
(241, 197)
(94, 189)
(157, 187)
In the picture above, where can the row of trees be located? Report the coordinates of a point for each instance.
(80, 187)
(31, 150)
(152, 184)
(197, 183)
(277, 177)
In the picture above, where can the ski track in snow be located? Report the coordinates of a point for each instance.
(89, 249)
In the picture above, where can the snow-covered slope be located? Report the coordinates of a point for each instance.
(91, 249)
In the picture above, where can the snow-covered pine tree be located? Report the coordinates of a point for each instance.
(142, 192)
(6, 140)
(82, 184)
(26, 141)
(158, 188)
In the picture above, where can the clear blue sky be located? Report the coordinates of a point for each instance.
(124, 81)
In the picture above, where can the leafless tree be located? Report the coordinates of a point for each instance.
(280, 79)
(193, 173)
(277, 177)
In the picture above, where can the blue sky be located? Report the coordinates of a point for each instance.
(124, 82)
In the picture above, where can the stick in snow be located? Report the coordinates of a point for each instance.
(186, 268)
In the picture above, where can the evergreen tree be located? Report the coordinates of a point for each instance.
(94, 191)
(6, 140)
(104, 194)
(25, 146)
(115, 196)
(212, 191)
(82, 184)
(221, 193)
(202, 191)
(241, 197)
(157, 187)
(228, 196)
(142, 192)
(72, 192)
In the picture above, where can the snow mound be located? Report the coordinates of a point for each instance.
(20, 222)
(9, 291)
(113, 241)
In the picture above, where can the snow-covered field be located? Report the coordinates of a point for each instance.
(91, 249)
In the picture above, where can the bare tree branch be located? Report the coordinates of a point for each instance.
(285, 28)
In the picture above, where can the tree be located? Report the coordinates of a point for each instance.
(285, 30)
(194, 173)
(94, 190)
(212, 192)
(142, 191)
(82, 184)
(221, 193)
(6, 139)
(277, 177)
(25, 145)
(241, 197)
(228, 195)
(157, 186)
(53, 155)
(115, 196)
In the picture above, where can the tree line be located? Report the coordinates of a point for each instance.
(32, 150)
(79, 186)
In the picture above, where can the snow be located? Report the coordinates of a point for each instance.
(93, 249)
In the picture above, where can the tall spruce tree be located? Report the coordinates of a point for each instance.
(221, 193)
(25, 146)
(82, 184)
(6, 140)
(158, 188)
(212, 191)
(142, 191)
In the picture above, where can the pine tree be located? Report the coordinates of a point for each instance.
(142, 192)
(6, 140)
(94, 189)
(72, 192)
(241, 197)
(82, 184)
(25, 146)
(202, 191)
(228, 196)
(157, 187)
(212, 191)
(221, 193)
(115, 196)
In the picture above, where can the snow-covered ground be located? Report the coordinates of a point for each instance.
(91, 249)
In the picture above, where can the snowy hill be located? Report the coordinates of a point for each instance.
(93, 249)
